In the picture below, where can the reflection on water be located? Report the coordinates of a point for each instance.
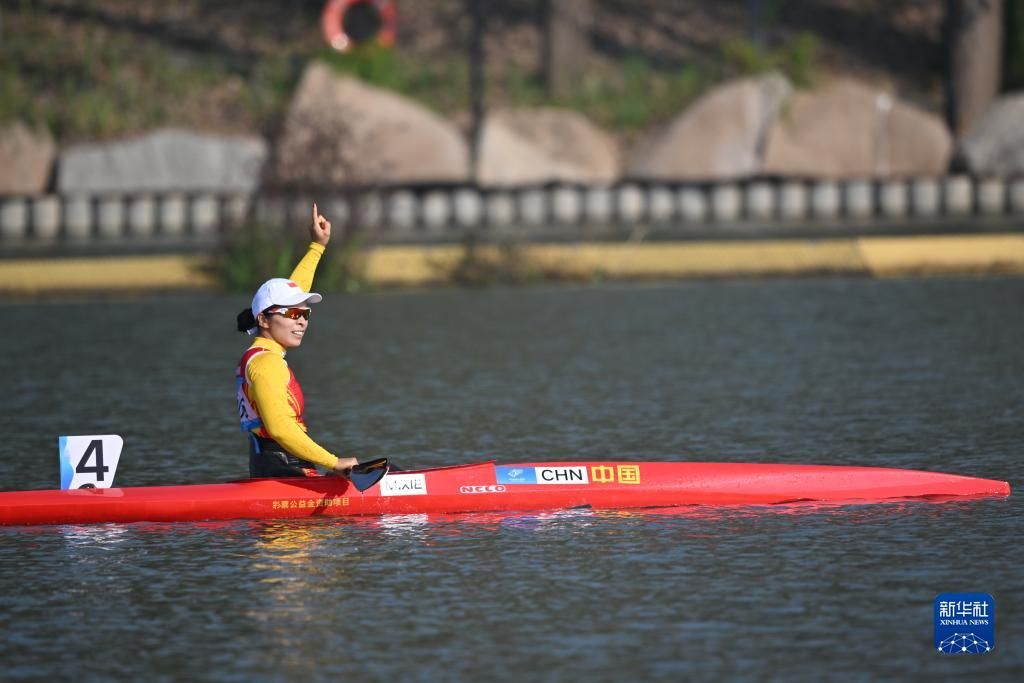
(100, 537)
(402, 526)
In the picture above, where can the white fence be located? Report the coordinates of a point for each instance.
(447, 213)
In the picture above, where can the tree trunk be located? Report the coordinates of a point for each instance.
(568, 24)
(975, 39)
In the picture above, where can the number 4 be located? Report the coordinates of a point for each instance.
(99, 469)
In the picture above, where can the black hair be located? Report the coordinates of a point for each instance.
(246, 320)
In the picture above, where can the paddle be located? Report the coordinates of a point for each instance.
(366, 474)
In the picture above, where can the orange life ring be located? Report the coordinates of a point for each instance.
(369, 12)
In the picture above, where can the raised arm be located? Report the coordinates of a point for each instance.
(319, 235)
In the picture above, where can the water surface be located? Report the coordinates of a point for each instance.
(924, 374)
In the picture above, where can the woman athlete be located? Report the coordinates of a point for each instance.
(270, 401)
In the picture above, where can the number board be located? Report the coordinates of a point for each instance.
(89, 461)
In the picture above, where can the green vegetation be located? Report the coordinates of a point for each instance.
(628, 99)
(442, 86)
(252, 254)
(508, 265)
(86, 78)
(797, 58)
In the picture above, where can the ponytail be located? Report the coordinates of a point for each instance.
(246, 321)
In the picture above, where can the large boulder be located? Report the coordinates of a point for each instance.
(719, 137)
(26, 157)
(848, 129)
(526, 146)
(166, 160)
(341, 130)
(995, 144)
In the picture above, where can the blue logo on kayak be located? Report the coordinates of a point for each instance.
(965, 623)
(516, 475)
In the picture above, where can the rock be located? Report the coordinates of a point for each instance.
(339, 129)
(995, 144)
(166, 160)
(507, 158)
(719, 137)
(919, 142)
(26, 157)
(850, 130)
(541, 145)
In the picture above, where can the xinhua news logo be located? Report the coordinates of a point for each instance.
(965, 623)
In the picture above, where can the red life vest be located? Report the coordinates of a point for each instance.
(248, 411)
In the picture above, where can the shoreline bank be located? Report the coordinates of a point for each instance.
(424, 265)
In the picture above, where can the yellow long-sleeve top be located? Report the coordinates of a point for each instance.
(273, 394)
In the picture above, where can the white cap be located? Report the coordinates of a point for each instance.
(281, 292)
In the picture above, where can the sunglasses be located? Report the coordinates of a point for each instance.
(292, 313)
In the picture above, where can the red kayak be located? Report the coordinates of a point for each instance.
(490, 487)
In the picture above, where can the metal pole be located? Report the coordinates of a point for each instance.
(476, 83)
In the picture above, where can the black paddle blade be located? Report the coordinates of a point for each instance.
(366, 474)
